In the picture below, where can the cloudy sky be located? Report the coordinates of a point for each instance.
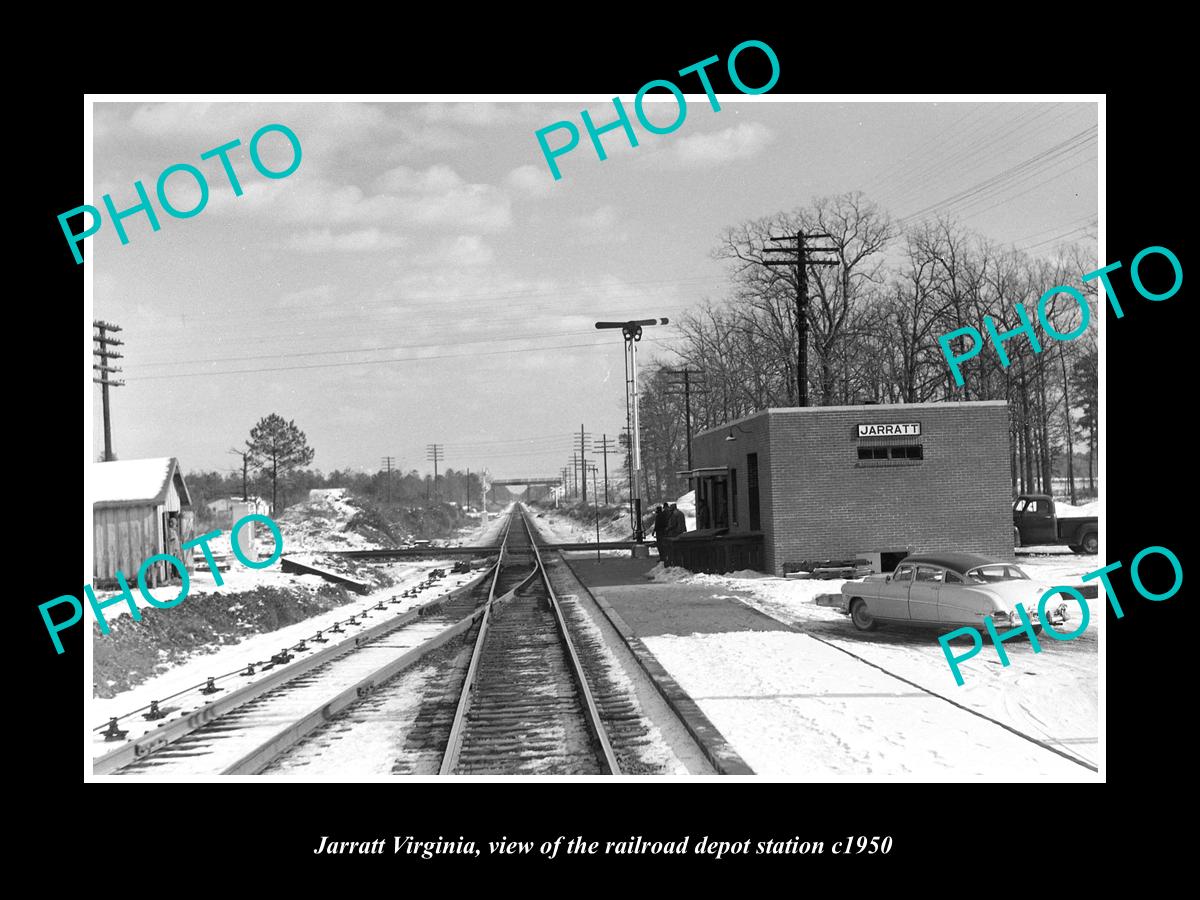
(421, 277)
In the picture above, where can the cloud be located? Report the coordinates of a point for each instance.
(366, 239)
(719, 147)
(434, 197)
(535, 181)
(601, 219)
(439, 196)
(601, 226)
(477, 114)
(463, 250)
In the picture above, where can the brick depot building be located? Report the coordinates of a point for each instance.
(874, 482)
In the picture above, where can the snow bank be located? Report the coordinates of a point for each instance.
(1063, 508)
(668, 574)
(321, 522)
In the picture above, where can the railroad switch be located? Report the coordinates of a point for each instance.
(281, 657)
(302, 646)
(321, 640)
(380, 606)
(353, 620)
(211, 687)
(154, 713)
(337, 628)
(249, 671)
(113, 733)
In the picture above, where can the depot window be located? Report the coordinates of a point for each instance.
(893, 451)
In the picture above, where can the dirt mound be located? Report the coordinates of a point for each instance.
(134, 651)
(331, 519)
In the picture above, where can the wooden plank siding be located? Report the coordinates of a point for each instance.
(125, 536)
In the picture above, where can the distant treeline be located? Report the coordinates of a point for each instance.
(400, 489)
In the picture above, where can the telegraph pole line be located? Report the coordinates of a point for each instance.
(795, 253)
(434, 452)
(103, 354)
(605, 446)
(387, 484)
(583, 439)
(686, 375)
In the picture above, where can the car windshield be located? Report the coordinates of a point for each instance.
(997, 572)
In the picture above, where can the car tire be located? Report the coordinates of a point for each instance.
(861, 616)
(1090, 543)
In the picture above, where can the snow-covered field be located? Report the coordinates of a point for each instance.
(794, 707)
(1052, 695)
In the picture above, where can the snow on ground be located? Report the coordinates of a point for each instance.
(320, 523)
(795, 707)
(1051, 695)
(1065, 510)
(257, 647)
(561, 528)
(236, 579)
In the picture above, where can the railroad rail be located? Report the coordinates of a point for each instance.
(241, 732)
(526, 704)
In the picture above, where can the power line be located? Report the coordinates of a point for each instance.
(368, 362)
(1072, 144)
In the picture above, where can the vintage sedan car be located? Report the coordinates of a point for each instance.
(949, 590)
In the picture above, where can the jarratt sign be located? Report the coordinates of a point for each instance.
(889, 430)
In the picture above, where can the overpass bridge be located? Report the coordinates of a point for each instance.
(532, 483)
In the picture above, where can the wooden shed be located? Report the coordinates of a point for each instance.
(140, 507)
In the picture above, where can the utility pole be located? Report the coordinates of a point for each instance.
(433, 452)
(583, 439)
(245, 463)
(794, 252)
(387, 484)
(686, 375)
(468, 506)
(632, 332)
(103, 355)
(595, 493)
(605, 446)
(574, 474)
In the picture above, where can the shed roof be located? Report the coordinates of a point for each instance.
(131, 482)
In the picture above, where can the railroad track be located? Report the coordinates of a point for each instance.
(520, 702)
(245, 728)
(526, 705)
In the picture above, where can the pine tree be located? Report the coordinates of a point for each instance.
(278, 448)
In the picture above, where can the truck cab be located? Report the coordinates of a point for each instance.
(1035, 522)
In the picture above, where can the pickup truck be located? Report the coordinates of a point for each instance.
(1034, 522)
